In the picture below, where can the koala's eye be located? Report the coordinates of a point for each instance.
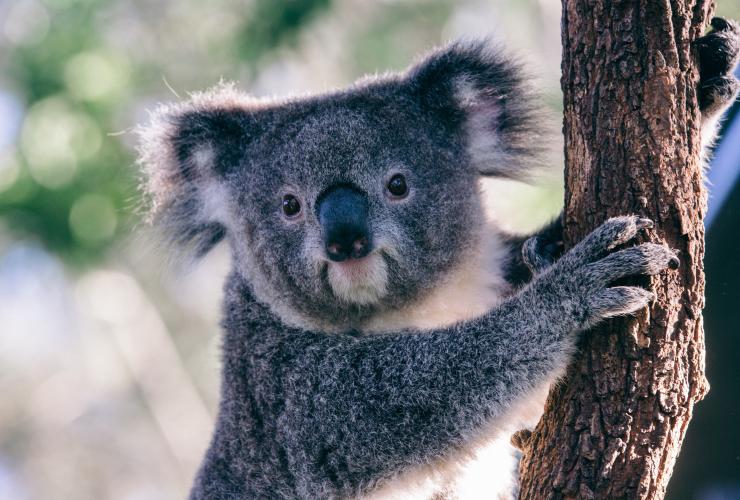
(397, 187)
(291, 205)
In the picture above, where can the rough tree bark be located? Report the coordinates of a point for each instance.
(614, 428)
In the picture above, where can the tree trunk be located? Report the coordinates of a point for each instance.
(614, 427)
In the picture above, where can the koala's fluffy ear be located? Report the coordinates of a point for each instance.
(479, 92)
(186, 153)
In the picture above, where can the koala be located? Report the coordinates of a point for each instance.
(383, 337)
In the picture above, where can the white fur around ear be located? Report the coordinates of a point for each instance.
(160, 166)
(499, 113)
(501, 138)
(181, 150)
(484, 144)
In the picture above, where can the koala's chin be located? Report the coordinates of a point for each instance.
(359, 281)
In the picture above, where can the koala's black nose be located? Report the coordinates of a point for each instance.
(343, 213)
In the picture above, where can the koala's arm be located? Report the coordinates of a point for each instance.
(367, 408)
(353, 411)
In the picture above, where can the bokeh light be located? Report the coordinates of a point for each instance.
(93, 218)
(27, 22)
(9, 168)
(96, 76)
(55, 139)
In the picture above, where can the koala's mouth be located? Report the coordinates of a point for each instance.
(359, 281)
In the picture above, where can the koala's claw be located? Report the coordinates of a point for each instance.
(720, 24)
(674, 263)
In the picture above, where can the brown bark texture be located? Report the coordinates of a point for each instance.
(614, 427)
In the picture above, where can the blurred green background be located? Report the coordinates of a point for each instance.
(109, 348)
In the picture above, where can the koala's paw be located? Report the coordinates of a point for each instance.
(718, 53)
(585, 272)
(539, 254)
(542, 250)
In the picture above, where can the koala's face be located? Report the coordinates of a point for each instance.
(354, 208)
(344, 205)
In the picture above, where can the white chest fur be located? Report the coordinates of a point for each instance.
(486, 468)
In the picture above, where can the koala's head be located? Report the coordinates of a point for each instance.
(343, 205)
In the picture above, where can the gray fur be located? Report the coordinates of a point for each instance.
(313, 406)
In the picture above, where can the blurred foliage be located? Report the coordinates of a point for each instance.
(272, 24)
(72, 182)
(382, 43)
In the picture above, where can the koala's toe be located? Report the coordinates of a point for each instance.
(619, 230)
(531, 256)
(648, 258)
(652, 258)
(612, 233)
(619, 301)
(539, 254)
(720, 24)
